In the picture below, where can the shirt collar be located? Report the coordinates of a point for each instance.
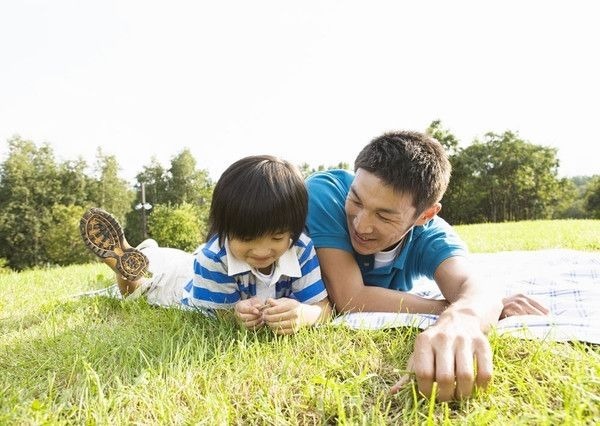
(401, 258)
(366, 263)
(287, 264)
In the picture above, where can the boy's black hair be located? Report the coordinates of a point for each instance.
(410, 162)
(257, 196)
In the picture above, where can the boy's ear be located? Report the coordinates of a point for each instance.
(428, 214)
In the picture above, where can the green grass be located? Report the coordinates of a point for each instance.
(532, 235)
(65, 360)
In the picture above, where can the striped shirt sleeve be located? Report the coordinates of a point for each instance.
(212, 287)
(309, 288)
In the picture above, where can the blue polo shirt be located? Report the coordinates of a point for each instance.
(426, 246)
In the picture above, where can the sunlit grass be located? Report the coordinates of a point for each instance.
(532, 235)
(102, 361)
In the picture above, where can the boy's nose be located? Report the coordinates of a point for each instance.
(261, 252)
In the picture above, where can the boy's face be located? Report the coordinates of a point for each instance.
(261, 252)
(377, 216)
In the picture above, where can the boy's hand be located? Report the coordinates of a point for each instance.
(248, 313)
(286, 316)
(520, 304)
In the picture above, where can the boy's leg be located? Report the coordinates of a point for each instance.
(103, 235)
(172, 269)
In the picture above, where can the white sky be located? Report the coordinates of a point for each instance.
(311, 81)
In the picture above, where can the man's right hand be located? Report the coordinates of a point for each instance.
(445, 354)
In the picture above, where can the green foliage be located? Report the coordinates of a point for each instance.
(181, 184)
(570, 204)
(41, 200)
(503, 178)
(155, 179)
(186, 184)
(181, 227)
(109, 191)
(74, 183)
(306, 169)
(577, 209)
(592, 197)
(62, 242)
(29, 186)
(4, 269)
(447, 139)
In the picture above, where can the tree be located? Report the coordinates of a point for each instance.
(571, 200)
(74, 183)
(41, 202)
(306, 169)
(447, 139)
(185, 183)
(109, 191)
(461, 200)
(29, 187)
(154, 177)
(592, 198)
(181, 184)
(503, 178)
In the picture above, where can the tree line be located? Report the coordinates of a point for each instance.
(42, 200)
(502, 177)
(497, 178)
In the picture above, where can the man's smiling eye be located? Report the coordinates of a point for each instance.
(384, 218)
(355, 201)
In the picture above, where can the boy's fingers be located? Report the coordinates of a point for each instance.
(275, 318)
(253, 323)
(246, 307)
(249, 317)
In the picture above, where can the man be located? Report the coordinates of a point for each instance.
(376, 231)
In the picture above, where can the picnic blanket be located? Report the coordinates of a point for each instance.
(566, 281)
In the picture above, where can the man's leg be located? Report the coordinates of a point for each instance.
(103, 235)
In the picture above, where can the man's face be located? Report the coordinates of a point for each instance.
(377, 216)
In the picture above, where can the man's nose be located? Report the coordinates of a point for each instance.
(362, 223)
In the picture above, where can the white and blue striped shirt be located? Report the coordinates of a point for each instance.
(220, 280)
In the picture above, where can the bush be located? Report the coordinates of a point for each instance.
(179, 227)
(62, 242)
(4, 269)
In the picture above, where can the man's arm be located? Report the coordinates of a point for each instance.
(462, 289)
(348, 293)
(446, 351)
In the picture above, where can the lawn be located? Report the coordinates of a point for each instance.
(66, 360)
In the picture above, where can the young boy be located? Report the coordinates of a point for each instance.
(257, 260)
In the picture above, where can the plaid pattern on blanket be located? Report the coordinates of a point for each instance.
(565, 281)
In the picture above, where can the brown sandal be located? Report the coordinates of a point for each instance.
(103, 235)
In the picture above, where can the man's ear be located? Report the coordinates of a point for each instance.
(428, 214)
